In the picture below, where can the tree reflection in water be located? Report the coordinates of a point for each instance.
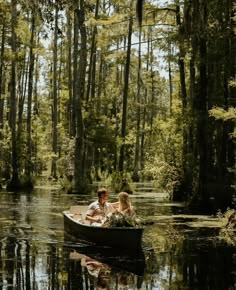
(186, 252)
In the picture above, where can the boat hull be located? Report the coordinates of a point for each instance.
(120, 237)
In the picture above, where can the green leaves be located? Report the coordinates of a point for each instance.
(221, 114)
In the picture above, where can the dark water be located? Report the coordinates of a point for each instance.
(181, 251)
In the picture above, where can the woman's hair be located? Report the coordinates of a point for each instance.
(124, 199)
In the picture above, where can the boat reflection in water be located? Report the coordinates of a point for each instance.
(91, 266)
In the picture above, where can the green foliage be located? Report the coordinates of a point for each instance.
(121, 182)
(221, 114)
(165, 176)
(118, 219)
(84, 188)
(66, 184)
(161, 133)
(227, 234)
(5, 151)
(41, 139)
(227, 214)
(65, 163)
(225, 115)
(25, 182)
(232, 83)
(116, 179)
(164, 159)
(126, 186)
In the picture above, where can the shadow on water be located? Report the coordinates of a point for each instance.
(181, 251)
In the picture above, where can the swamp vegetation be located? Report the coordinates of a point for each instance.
(181, 250)
(88, 94)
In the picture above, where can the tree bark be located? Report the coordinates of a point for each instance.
(69, 72)
(125, 97)
(186, 184)
(55, 99)
(1, 73)
(79, 80)
(232, 74)
(93, 58)
(202, 122)
(14, 183)
(28, 167)
(135, 176)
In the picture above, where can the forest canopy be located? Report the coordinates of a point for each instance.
(101, 90)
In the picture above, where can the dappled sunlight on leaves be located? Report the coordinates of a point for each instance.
(229, 236)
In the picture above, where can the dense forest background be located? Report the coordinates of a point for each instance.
(88, 93)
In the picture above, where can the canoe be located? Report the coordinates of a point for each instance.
(129, 238)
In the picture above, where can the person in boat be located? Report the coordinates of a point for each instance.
(125, 207)
(99, 209)
(124, 216)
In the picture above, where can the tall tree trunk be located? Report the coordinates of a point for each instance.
(1, 88)
(79, 80)
(152, 91)
(14, 183)
(55, 100)
(142, 148)
(28, 167)
(170, 74)
(100, 84)
(125, 97)
(202, 108)
(232, 74)
(185, 163)
(36, 81)
(22, 89)
(230, 100)
(92, 63)
(135, 176)
(59, 113)
(69, 72)
(1, 73)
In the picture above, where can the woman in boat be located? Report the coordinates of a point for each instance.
(125, 206)
(124, 216)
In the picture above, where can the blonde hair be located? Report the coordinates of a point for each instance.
(124, 200)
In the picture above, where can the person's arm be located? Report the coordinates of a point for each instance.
(129, 211)
(132, 211)
(93, 219)
(115, 204)
(90, 214)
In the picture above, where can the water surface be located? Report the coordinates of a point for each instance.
(181, 251)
